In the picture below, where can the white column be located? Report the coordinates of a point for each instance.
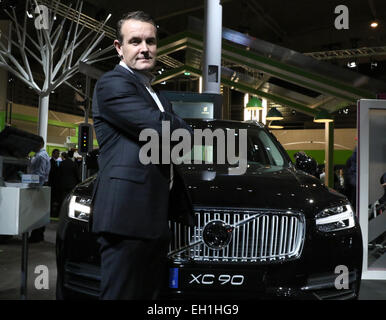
(247, 113)
(264, 111)
(43, 116)
(212, 47)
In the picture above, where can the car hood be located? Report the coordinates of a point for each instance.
(260, 187)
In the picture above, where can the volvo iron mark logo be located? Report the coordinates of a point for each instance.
(217, 234)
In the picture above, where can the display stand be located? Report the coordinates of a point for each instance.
(24, 267)
(23, 209)
(371, 164)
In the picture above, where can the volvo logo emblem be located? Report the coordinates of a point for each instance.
(217, 234)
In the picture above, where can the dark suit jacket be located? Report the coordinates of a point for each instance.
(130, 198)
(53, 177)
(68, 175)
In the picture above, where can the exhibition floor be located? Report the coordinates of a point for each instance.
(43, 253)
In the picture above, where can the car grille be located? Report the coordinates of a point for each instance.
(259, 236)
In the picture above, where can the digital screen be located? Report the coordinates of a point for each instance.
(194, 110)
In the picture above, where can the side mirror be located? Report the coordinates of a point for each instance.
(306, 163)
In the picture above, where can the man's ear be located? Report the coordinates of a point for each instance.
(117, 46)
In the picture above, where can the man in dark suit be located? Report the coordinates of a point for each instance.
(68, 176)
(54, 183)
(133, 201)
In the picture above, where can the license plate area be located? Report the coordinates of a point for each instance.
(217, 279)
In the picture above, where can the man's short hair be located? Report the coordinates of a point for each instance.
(40, 139)
(134, 15)
(383, 179)
(55, 150)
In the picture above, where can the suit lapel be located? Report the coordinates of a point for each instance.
(141, 87)
(165, 103)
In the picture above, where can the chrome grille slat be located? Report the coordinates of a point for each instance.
(286, 232)
(227, 221)
(261, 236)
(290, 236)
(245, 234)
(237, 234)
(257, 237)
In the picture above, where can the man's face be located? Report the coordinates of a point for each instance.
(55, 154)
(139, 45)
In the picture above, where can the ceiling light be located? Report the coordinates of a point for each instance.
(274, 114)
(187, 73)
(374, 24)
(323, 116)
(275, 125)
(254, 104)
(351, 64)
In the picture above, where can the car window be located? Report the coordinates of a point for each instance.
(261, 149)
(272, 152)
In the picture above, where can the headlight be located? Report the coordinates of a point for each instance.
(334, 219)
(79, 208)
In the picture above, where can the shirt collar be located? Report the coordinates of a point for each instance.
(146, 77)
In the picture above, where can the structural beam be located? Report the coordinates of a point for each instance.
(329, 154)
(293, 74)
(238, 86)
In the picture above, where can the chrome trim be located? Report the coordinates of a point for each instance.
(262, 235)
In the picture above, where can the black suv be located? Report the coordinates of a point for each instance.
(274, 231)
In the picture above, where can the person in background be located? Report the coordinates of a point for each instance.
(339, 180)
(68, 176)
(322, 175)
(70, 155)
(350, 178)
(40, 165)
(76, 160)
(379, 206)
(53, 182)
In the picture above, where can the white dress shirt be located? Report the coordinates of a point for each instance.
(40, 165)
(146, 78)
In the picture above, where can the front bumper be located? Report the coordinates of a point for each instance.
(312, 276)
(84, 279)
(208, 283)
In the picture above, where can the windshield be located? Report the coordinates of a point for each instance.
(261, 149)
